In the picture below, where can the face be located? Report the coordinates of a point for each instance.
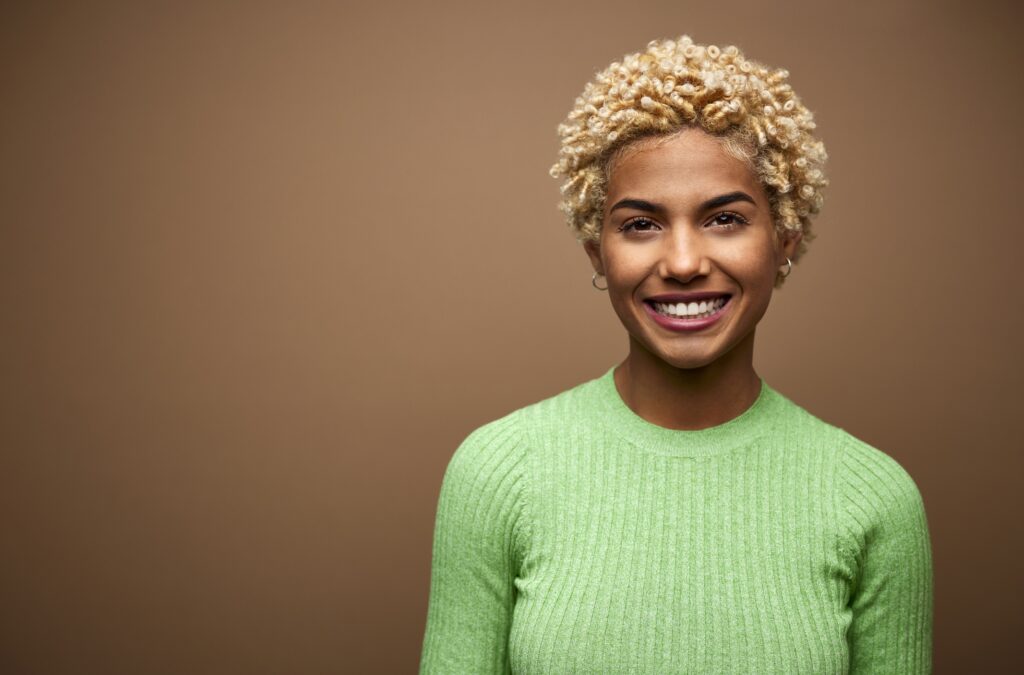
(688, 249)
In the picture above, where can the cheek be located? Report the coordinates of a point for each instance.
(624, 272)
(755, 263)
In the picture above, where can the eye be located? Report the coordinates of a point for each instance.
(728, 220)
(638, 224)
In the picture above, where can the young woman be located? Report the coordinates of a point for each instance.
(677, 514)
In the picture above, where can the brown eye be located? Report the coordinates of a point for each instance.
(637, 224)
(728, 220)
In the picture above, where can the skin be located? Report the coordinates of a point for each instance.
(687, 380)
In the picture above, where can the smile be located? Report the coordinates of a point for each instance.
(692, 310)
(688, 316)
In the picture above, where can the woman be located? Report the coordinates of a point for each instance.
(676, 514)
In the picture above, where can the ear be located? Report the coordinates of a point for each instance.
(790, 243)
(593, 250)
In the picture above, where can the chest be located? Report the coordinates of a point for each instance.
(684, 567)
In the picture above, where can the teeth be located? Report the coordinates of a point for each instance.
(691, 310)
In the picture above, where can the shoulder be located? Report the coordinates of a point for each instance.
(872, 478)
(485, 491)
(488, 453)
(498, 452)
(516, 429)
(554, 413)
(873, 473)
(876, 495)
(871, 486)
(856, 459)
(802, 428)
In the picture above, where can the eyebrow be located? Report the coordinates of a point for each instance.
(720, 200)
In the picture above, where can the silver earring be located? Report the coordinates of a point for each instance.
(789, 269)
(593, 282)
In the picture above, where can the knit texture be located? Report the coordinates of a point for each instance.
(573, 536)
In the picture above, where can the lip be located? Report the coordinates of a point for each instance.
(685, 325)
(686, 297)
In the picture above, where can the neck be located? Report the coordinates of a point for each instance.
(688, 398)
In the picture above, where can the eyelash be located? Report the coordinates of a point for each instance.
(739, 220)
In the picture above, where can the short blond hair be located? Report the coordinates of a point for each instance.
(676, 84)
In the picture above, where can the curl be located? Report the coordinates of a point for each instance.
(679, 83)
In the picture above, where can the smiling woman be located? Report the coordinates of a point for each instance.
(676, 513)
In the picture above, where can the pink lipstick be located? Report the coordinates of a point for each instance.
(682, 324)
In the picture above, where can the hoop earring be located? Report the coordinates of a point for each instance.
(593, 282)
(789, 269)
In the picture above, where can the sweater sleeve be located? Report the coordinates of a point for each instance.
(888, 547)
(476, 554)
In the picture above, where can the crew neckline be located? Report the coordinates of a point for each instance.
(754, 422)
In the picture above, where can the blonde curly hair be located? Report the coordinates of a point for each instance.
(676, 84)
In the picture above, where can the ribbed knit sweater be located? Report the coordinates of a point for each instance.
(574, 536)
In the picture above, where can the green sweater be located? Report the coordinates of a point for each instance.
(573, 536)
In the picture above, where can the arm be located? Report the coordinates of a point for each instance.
(476, 553)
(892, 593)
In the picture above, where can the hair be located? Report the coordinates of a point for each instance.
(675, 85)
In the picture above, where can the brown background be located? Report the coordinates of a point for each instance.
(264, 268)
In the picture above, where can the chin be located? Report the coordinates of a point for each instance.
(690, 353)
(687, 362)
(683, 359)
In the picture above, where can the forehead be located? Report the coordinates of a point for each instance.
(690, 165)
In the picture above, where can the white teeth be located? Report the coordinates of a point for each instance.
(692, 310)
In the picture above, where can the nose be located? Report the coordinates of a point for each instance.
(683, 256)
